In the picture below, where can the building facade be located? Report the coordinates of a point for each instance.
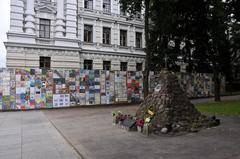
(74, 34)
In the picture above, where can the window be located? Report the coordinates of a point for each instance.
(139, 67)
(123, 38)
(88, 4)
(107, 6)
(106, 65)
(138, 15)
(122, 12)
(138, 40)
(44, 28)
(106, 35)
(88, 64)
(45, 62)
(123, 66)
(88, 29)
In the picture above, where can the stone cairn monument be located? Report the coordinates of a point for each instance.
(168, 110)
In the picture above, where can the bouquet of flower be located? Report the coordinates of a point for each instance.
(140, 122)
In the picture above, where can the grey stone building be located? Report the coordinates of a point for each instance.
(74, 34)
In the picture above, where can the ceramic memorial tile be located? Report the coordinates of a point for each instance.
(49, 89)
(66, 100)
(120, 86)
(71, 81)
(40, 88)
(12, 89)
(103, 86)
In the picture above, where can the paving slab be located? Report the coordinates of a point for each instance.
(30, 135)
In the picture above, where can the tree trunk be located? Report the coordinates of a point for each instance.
(217, 83)
(147, 51)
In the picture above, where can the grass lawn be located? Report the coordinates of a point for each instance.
(226, 108)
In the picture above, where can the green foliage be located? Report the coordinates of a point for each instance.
(205, 33)
(227, 108)
(132, 7)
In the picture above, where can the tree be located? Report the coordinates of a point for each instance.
(198, 30)
(218, 43)
(234, 35)
(133, 7)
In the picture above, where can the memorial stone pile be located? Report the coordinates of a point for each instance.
(168, 109)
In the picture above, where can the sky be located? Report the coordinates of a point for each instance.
(4, 28)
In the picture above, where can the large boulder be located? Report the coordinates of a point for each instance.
(172, 109)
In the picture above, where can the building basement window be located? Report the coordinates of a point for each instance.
(123, 66)
(45, 62)
(88, 64)
(139, 66)
(44, 28)
(106, 65)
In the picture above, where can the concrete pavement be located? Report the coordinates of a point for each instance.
(91, 132)
(88, 133)
(30, 135)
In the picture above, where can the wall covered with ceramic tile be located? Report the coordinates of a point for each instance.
(22, 89)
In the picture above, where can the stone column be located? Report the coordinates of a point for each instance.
(130, 36)
(71, 19)
(143, 39)
(97, 31)
(115, 34)
(16, 19)
(81, 29)
(94, 32)
(60, 19)
(30, 19)
(98, 5)
(97, 64)
(131, 65)
(81, 62)
(115, 65)
(113, 30)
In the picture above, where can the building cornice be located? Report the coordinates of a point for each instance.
(38, 46)
(83, 51)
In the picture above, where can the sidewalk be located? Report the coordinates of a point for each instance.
(51, 134)
(223, 98)
(91, 132)
(30, 135)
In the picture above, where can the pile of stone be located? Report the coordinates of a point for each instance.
(171, 110)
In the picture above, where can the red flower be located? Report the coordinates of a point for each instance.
(140, 122)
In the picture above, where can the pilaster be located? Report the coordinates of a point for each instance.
(30, 18)
(16, 19)
(131, 36)
(97, 64)
(60, 19)
(131, 65)
(71, 19)
(115, 65)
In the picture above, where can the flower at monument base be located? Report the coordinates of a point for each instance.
(140, 122)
